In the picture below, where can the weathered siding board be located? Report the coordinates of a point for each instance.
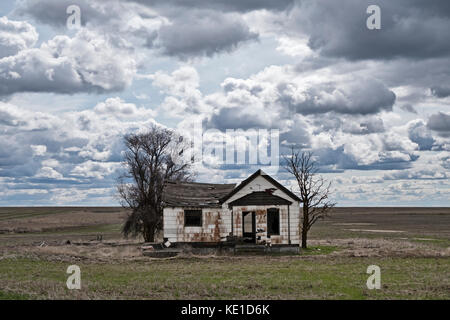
(213, 228)
(261, 223)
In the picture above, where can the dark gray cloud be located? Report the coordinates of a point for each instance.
(414, 29)
(337, 159)
(420, 76)
(297, 136)
(356, 96)
(222, 5)
(53, 12)
(368, 126)
(441, 91)
(211, 33)
(440, 122)
(408, 108)
(233, 118)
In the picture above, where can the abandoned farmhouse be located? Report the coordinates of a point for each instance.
(259, 210)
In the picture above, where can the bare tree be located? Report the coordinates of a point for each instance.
(314, 190)
(151, 159)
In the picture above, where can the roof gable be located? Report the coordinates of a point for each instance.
(253, 177)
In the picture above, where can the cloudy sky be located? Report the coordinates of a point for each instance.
(373, 105)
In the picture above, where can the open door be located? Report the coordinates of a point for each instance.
(249, 226)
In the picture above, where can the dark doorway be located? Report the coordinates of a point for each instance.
(249, 226)
(273, 222)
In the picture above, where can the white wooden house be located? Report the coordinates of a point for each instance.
(259, 210)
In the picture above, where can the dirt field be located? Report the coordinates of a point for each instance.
(411, 246)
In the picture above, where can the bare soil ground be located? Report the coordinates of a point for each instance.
(411, 245)
(24, 220)
(398, 222)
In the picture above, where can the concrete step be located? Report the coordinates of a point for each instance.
(165, 253)
(250, 248)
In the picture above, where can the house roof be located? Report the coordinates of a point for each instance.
(259, 198)
(192, 194)
(268, 178)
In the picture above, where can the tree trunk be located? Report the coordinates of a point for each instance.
(149, 237)
(149, 234)
(305, 227)
(304, 237)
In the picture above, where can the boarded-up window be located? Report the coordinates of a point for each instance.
(192, 218)
(273, 221)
